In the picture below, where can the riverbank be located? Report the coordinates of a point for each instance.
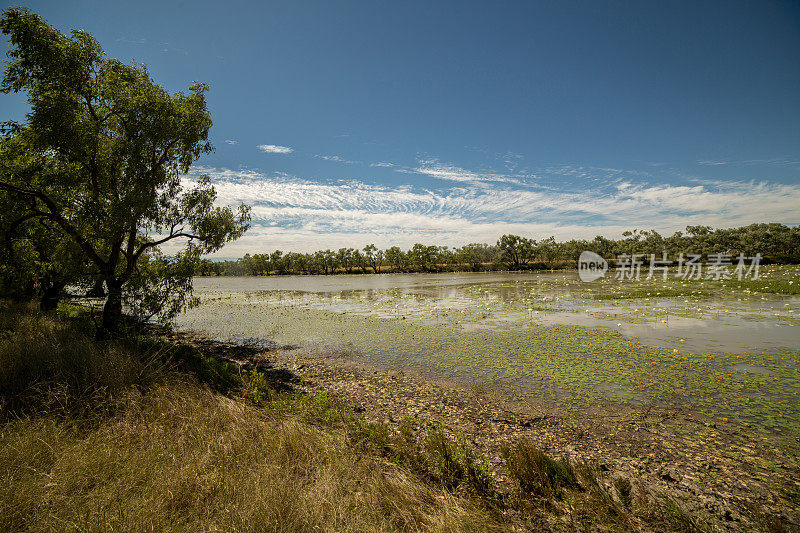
(173, 431)
(718, 471)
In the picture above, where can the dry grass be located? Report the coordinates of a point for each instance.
(51, 365)
(97, 437)
(183, 457)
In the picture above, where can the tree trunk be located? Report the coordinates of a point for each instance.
(112, 312)
(51, 294)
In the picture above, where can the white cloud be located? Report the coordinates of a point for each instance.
(274, 149)
(435, 169)
(303, 215)
(775, 161)
(336, 158)
(231, 141)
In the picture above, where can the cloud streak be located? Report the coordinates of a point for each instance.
(435, 169)
(336, 158)
(274, 149)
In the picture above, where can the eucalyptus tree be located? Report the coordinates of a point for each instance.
(36, 258)
(474, 255)
(515, 251)
(374, 257)
(602, 246)
(360, 261)
(118, 145)
(346, 259)
(397, 258)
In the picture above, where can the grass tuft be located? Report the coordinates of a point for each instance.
(535, 473)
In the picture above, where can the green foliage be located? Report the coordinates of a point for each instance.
(515, 251)
(102, 153)
(162, 287)
(255, 387)
(453, 464)
(369, 436)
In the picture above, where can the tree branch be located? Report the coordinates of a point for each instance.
(159, 242)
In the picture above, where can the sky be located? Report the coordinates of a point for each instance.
(449, 122)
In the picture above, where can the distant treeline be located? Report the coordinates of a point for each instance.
(777, 243)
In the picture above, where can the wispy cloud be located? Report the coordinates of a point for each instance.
(775, 161)
(231, 141)
(303, 215)
(129, 40)
(435, 169)
(274, 149)
(336, 158)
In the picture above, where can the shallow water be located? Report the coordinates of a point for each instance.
(543, 335)
(518, 300)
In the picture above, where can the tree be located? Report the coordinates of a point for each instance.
(474, 255)
(397, 258)
(162, 286)
(360, 261)
(374, 257)
(546, 250)
(346, 259)
(423, 257)
(602, 246)
(515, 251)
(277, 262)
(38, 260)
(103, 151)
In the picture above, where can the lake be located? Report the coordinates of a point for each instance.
(542, 334)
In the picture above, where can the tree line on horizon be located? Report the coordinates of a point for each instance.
(777, 243)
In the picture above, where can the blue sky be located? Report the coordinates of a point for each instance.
(346, 123)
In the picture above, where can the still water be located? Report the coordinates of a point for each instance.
(497, 301)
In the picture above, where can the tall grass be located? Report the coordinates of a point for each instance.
(182, 457)
(166, 452)
(51, 365)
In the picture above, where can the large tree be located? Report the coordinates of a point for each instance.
(116, 146)
(515, 251)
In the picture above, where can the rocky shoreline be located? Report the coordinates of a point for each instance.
(712, 469)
